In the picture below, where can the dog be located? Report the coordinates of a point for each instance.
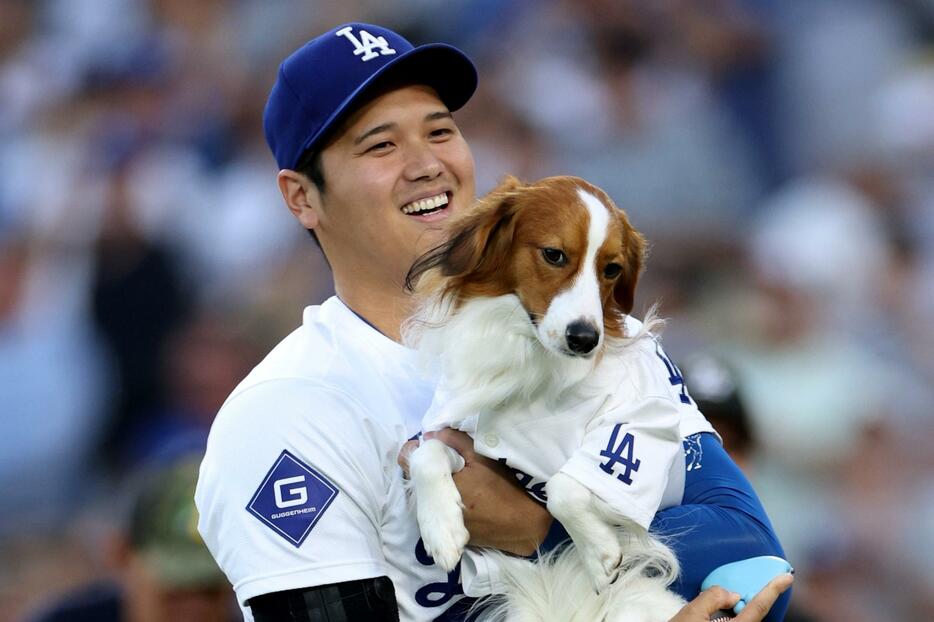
(524, 312)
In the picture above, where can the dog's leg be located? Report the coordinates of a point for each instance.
(438, 502)
(596, 540)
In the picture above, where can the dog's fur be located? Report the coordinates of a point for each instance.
(512, 322)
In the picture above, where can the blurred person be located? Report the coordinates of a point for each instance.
(733, 42)
(899, 174)
(832, 57)
(162, 570)
(300, 275)
(811, 386)
(501, 139)
(233, 260)
(355, 169)
(34, 75)
(881, 536)
(202, 361)
(629, 117)
(138, 300)
(16, 22)
(51, 377)
(714, 388)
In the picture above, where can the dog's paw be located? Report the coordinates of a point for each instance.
(603, 566)
(441, 521)
(445, 537)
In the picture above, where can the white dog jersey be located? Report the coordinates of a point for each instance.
(299, 485)
(620, 436)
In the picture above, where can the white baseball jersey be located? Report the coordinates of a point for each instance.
(299, 485)
(622, 440)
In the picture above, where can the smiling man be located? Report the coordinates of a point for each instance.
(300, 495)
(301, 501)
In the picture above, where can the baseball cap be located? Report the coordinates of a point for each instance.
(164, 529)
(318, 84)
(714, 386)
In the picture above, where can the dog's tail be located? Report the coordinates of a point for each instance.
(557, 588)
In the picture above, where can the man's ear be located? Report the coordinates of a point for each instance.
(301, 197)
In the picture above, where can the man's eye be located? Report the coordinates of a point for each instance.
(441, 132)
(379, 146)
(554, 256)
(612, 270)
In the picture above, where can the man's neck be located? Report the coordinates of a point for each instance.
(384, 311)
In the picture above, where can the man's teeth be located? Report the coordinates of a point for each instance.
(423, 205)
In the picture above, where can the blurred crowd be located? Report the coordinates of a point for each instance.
(779, 155)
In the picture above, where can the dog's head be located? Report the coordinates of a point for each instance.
(560, 245)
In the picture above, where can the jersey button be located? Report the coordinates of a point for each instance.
(490, 439)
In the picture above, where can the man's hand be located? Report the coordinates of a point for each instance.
(498, 513)
(709, 602)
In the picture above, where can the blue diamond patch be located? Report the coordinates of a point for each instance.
(292, 498)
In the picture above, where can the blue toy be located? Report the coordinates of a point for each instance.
(747, 577)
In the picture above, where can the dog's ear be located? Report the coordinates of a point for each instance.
(479, 241)
(634, 253)
(507, 184)
(482, 240)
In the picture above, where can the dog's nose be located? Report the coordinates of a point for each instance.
(582, 337)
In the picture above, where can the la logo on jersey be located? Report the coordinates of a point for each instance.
(367, 45)
(292, 498)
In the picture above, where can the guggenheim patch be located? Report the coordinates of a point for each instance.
(292, 498)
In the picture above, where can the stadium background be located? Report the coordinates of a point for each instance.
(779, 155)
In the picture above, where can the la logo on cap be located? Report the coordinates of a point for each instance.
(366, 44)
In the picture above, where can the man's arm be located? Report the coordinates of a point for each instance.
(291, 490)
(498, 513)
(721, 520)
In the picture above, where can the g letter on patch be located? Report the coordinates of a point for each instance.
(292, 498)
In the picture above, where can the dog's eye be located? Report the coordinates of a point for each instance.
(554, 256)
(612, 270)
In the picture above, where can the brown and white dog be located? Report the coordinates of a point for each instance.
(525, 310)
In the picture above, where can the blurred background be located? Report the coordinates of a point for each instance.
(778, 154)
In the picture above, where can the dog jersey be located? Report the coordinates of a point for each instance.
(622, 439)
(299, 485)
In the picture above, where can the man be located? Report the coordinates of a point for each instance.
(301, 500)
(714, 388)
(165, 571)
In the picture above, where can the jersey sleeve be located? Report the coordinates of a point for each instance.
(481, 572)
(629, 457)
(289, 489)
(632, 456)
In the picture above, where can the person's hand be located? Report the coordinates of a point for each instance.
(498, 513)
(709, 602)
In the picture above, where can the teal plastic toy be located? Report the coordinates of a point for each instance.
(747, 577)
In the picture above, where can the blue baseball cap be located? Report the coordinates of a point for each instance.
(328, 76)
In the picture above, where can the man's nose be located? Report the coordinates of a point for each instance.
(423, 164)
(581, 336)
